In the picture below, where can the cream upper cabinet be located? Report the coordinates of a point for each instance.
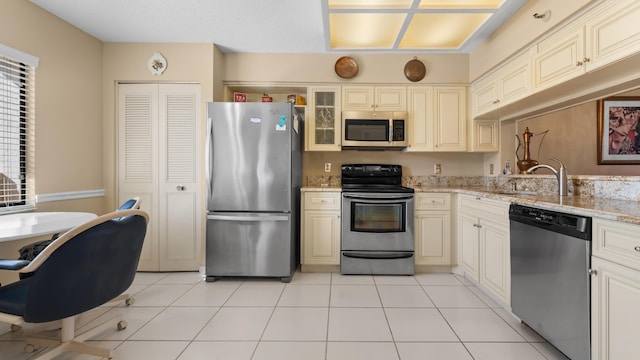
(484, 244)
(323, 123)
(484, 95)
(432, 229)
(607, 33)
(507, 83)
(421, 125)
(612, 33)
(450, 118)
(598, 36)
(615, 290)
(374, 98)
(437, 118)
(559, 58)
(485, 136)
(320, 228)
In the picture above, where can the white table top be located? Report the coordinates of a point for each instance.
(28, 225)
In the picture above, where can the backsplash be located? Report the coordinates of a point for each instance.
(610, 187)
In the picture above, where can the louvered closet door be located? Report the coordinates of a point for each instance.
(159, 160)
(138, 159)
(180, 186)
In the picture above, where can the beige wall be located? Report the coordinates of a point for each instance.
(572, 138)
(413, 163)
(320, 68)
(68, 102)
(127, 62)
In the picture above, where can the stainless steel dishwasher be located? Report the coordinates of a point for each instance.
(550, 282)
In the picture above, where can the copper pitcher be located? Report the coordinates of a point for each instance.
(526, 162)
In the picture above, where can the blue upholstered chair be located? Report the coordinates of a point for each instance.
(29, 252)
(82, 269)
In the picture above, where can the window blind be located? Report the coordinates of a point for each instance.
(17, 135)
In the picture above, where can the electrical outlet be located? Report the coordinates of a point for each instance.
(490, 169)
(437, 169)
(327, 167)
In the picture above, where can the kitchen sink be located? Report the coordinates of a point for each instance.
(515, 192)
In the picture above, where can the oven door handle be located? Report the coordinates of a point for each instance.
(380, 198)
(378, 255)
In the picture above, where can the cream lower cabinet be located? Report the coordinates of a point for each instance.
(483, 240)
(615, 290)
(159, 131)
(432, 229)
(320, 228)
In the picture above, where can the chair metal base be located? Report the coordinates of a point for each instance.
(69, 342)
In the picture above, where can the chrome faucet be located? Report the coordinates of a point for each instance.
(561, 175)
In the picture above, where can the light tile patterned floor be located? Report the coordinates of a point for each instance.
(323, 316)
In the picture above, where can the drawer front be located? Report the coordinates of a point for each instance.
(433, 201)
(483, 207)
(322, 200)
(617, 242)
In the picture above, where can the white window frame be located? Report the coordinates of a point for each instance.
(17, 130)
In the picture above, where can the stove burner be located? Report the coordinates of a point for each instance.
(373, 178)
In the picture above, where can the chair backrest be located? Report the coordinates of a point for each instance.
(86, 266)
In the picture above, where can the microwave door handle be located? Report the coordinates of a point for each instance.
(390, 130)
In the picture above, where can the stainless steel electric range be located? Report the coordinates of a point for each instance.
(377, 221)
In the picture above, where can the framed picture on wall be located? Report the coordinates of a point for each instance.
(619, 130)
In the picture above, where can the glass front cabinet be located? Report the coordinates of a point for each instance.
(323, 123)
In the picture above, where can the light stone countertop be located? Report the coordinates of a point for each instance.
(320, 188)
(612, 209)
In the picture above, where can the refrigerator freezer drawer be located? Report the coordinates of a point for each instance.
(249, 244)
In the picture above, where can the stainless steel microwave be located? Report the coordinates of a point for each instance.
(374, 130)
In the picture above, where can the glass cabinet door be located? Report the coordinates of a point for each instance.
(324, 121)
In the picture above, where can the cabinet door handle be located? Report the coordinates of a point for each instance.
(180, 187)
(592, 272)
(579, 63)
(586, 59)
(637, 248)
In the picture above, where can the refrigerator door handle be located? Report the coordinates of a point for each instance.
(248, 218)
(208, 157)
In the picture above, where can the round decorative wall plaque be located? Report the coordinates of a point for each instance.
(415, 70)
(346, 67)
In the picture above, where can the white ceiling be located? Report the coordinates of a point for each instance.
(243, 26)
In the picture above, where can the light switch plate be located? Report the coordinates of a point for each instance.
(327, 167)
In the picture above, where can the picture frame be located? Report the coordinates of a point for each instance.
(619, 130)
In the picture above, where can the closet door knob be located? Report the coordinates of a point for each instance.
(180, 187)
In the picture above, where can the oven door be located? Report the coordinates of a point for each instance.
(377, 222)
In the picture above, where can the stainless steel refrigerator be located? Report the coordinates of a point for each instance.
(254, 171)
